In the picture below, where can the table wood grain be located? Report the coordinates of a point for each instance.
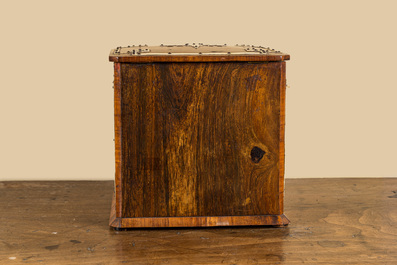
(333, 221)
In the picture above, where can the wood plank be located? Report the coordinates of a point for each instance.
(117, 140)
(199, 221)
(333, 221)
(201, 139)
(283, 87)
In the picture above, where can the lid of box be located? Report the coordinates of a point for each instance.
(196, 52)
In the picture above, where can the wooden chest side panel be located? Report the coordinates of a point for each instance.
(200, 139)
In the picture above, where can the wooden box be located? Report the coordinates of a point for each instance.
(199, 136)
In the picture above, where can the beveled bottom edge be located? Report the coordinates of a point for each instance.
(197, 221)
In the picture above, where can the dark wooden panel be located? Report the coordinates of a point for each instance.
(200, 139)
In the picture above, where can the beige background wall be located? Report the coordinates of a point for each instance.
(56, 101)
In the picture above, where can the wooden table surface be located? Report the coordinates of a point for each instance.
(333, 221)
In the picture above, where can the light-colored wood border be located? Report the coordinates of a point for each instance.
(196, 58)
(282, 138)
(117, 139)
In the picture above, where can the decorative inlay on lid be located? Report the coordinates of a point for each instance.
(195, 52)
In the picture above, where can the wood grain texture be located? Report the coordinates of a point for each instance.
(335, 221)
(201, 139)
(195, 221)
(283, 87)
(201, 221)
(117, 140)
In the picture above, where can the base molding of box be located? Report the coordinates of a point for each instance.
(196, 221)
